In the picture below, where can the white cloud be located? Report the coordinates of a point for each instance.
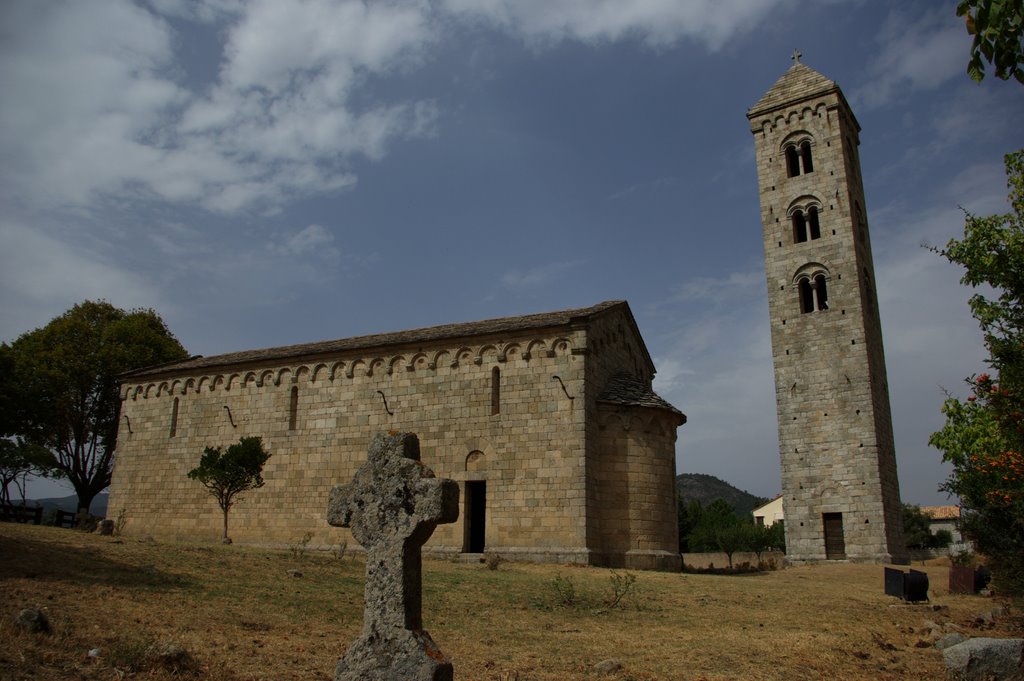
(538, 276)
(95, 105)
(916, 54)
(41, 277)
(312, 239)
(931, 341)
(657, 22)
(714, 363)
(719, 289)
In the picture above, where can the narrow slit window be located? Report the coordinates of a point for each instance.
(293, 408)
(174, 418)
(805, 155)
(869, 295)
(495, 391)
(812, 220)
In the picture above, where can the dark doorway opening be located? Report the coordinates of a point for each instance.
(835, 544)
(476, 515)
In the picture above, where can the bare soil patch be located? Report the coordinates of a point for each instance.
(242, 616)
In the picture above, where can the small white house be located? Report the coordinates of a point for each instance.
(770, 513)
(944, 518)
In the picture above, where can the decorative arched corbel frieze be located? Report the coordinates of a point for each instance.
(321, 369)
(280, 375)
(350, 370)
(396, 363)
(441, 357)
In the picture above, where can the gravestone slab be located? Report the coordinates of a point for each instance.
(393, 504)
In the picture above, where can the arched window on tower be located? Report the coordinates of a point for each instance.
(805, 155)
(806, 295)
(820, 292)
(799, 227)
(812, 288)
(812, 222)
(806, 226)
(792, 161)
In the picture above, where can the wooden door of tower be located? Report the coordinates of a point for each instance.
(835, 543)
(475, 516)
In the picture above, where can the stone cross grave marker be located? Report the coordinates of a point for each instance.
(393, 504)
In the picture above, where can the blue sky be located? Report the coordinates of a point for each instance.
(264, 173)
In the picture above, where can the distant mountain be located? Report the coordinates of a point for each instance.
(70, 503)
(706, 488)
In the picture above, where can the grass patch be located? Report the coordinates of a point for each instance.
(241, 617)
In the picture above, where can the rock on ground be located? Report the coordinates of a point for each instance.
(170, 656)
(33, 621)
(608, 667)
(986, 659)
(949, 640)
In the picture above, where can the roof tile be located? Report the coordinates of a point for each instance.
(423, 335)
(629, 391)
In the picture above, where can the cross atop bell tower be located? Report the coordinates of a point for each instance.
(840, 490)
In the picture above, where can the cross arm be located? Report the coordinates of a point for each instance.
(339, 506)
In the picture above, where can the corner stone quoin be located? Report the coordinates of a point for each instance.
(392, 505)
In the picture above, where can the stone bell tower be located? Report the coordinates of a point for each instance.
(841, 496)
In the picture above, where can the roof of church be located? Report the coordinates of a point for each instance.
(627, 390)
(799, 82)
(424, 335)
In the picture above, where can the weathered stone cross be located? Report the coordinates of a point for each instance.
(393, 504)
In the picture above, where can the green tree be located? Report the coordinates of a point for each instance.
(226, 473)
(997, 27)
(689, 514)
(983, 437)
(65, 388)
(917, 530)
(764, 537)
(732, 537)
(18, 460)
(720, 529)
(941, 539)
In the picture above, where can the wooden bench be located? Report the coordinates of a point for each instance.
(65, 519)
(21, 514)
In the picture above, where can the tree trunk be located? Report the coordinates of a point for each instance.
(225, 539)
(85, 497)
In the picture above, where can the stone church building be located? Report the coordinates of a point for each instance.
(562, 450)
(841, 496)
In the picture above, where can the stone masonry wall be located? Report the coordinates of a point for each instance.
(835, 431)
(559, 485)
(531, 453)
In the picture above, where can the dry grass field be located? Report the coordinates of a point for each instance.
(243, 617)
